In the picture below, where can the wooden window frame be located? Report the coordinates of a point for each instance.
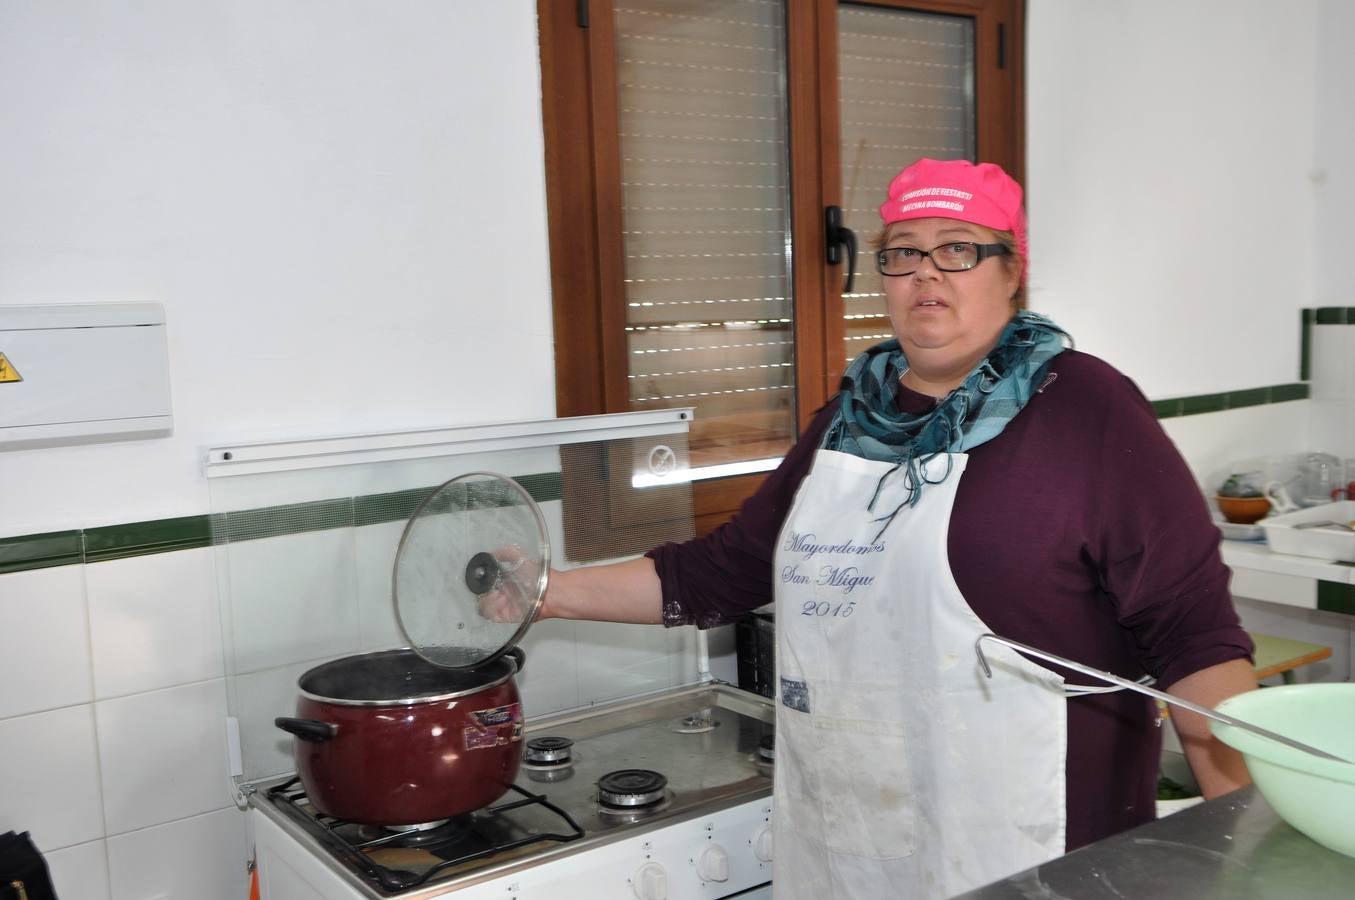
(584, 202)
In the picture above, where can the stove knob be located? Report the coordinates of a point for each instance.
(650, 882)
(762, 844)
(713, 864)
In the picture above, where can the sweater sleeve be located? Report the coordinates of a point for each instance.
(716, 578)
(1158, 550)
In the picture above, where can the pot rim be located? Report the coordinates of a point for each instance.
(416, 700)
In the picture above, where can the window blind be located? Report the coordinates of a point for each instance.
(906, 82)
(705, 171)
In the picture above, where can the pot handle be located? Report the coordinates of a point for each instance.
(519, 656)
(311, 730)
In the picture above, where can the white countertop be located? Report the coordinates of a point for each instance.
(1260, 573)
(1258, 556)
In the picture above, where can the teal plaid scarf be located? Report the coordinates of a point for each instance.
(868, 424)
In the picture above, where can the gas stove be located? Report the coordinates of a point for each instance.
(665, 796)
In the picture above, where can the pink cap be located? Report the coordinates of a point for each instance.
(958, 189)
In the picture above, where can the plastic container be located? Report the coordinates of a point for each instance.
(1314, 795)
(1322, 543)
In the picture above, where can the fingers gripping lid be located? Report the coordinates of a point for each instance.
(958, 189)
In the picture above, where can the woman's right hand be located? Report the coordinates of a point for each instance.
(514, 591)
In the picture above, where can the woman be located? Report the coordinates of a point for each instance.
(973, 476)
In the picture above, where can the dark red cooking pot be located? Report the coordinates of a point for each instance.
(389, 738)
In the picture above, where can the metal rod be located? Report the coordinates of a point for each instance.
(1151, 692)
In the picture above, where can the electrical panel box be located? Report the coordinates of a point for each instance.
(83, 373)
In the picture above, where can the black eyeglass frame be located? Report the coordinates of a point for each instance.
(982, 251)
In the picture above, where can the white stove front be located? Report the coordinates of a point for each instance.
(724, 854)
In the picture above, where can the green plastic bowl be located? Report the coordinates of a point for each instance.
(1315, 795)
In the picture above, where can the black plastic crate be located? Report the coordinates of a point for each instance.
(755, 644)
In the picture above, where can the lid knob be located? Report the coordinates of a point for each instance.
(482, 572)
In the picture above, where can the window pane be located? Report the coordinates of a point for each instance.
(702, 120)
(907, 91)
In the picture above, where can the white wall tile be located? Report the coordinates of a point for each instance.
(1333, 362)
(49, 777)
(154, 622)
(80, 872)
(724, 654)
(616, 661)
(291, 598)
(163, 755)
(1334, 430)
(199, 858)
(260, 697)
(549, 680)
(1212, 443)
(44, 640)
(377, 625)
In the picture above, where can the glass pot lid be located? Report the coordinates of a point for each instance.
(471, 569)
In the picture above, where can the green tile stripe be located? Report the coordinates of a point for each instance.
(1306, 345)
(543, 487)
(1322, 315)
(275, 521)
(110, 542)
(1206, 403)
(40, 551)
(1283, 393)
(375, 509)
(1333, 596)
(400, 505)
(1334, 315)
(141, 538)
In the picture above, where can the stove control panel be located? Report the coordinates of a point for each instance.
(706, 858)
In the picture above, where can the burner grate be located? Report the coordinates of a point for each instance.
(464, 839)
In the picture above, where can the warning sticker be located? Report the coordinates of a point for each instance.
(7, 371)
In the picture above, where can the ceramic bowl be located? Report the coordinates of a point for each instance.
(1243, 510)
(1314, 795)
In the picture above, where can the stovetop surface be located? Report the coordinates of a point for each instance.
(704, 744)
(703, 740)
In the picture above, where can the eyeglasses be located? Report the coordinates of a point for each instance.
(955, 256)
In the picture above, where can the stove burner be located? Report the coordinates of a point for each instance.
(548, 774)
(548, 751)
(629, 788)
(395, 861)
(766, 748)
(412, 835)
(414, 829)
(696, 723)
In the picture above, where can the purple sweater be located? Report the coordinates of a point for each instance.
(1079, 530)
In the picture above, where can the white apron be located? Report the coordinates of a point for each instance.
(900, 770)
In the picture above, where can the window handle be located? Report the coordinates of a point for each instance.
(836, 235)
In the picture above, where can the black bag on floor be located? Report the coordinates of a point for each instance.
(23, 871)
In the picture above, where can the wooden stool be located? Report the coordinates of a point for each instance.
(1281, 656)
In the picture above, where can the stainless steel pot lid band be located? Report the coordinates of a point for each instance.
(471, 570)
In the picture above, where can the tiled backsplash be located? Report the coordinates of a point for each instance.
(112, 677)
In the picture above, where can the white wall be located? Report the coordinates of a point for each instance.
(342, 210)
(341, 206)
(1335, 129)
(1168, 142)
